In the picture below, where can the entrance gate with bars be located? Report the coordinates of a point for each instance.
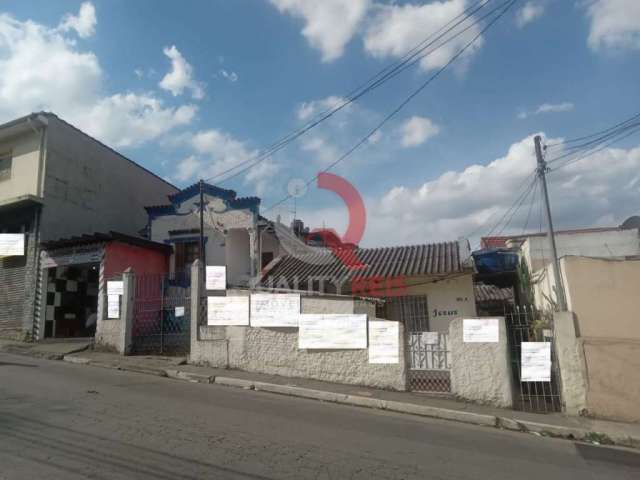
(525, 325)
(161, 314)
(429, 368)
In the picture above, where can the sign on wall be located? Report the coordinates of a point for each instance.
(11, 244)
(113, 306)
(275, 310)
(115, 287)
(430, 338)
(480, 330)
(179, 312)
(216, 277)
(332, 331)
(384, 345)
(222, 311)
(535, 362)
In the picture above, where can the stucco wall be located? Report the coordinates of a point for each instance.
(613, 369)
(275, 350)
(447, 299)
(90, 188)
(604, 295)
(480, 372)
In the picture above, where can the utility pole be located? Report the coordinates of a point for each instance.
(542, 171)
(201, 249)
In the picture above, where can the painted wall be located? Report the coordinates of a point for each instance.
(604, 295)
(447, 299)
(275, 350)
(90, 188)
(480, 372)
(120, 256)
(230, 249)
(615, 243)
(25, 153)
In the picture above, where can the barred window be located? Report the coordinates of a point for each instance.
(5, 166)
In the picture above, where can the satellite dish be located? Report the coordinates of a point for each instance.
(631, 222)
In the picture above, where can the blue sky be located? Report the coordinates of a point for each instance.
(247, 72)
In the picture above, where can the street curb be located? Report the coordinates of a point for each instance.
(189, 376)
(234, 382)
(506, 423)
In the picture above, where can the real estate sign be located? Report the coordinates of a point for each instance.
(216, 277)
(223, 311)
(11, 244)
(332, 331)
(275, 310)
(384, 345)
(480, 330)
(535, 361)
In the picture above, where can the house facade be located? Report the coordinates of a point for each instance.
(235, 235)
(57, 182)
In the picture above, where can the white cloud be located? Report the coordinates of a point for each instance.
(548, 108)
(329, 24)
(214, 152)
(129, 119)
(530, 12)
(458, 202)
(180, 77)
(417, 130)
(306, 110)
(395, 29)
(229, 75)
(187, 169)
(44, 70)
(614, 24)
(84, 23)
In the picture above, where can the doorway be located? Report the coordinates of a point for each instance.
(72, 301)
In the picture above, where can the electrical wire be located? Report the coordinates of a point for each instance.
(404, 102)
(407, 61)
(585, 137)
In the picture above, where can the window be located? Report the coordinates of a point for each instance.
(5, 166)
(186, 254)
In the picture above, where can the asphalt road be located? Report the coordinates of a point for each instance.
(64, 421)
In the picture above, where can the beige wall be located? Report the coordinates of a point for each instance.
(25, 154)
(447, 299)
(604, 294)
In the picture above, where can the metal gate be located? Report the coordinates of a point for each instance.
(525, 324)
(428, 351)
(162, 314)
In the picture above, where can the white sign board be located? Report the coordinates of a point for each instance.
(275, 310)
(480, 330)
(332, 331)
(216, 278)
(115, 288)
(179, 311)
(228, 311)
(113, 306)
(384, 345)
(535, 361)
(11, 244)
(430, 338)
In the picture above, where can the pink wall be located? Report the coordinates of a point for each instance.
(120, 256)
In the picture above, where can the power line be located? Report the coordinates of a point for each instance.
(407, 61)
(594, 151)
(533, 201)
(404, 102)
(585, 137)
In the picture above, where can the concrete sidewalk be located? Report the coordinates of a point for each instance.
(555, 425)
(48, 349)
